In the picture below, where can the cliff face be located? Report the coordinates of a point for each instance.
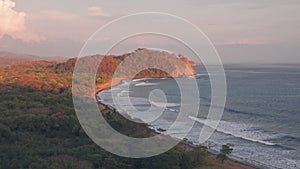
(57, 77)
(189, 64)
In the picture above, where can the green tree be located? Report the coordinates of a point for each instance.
(224, 152)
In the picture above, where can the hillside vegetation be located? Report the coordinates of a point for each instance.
(38, 125)
(57, 77)
(39, 128)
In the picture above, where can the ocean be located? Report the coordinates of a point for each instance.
(261, 117)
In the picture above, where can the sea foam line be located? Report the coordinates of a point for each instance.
(202, 121)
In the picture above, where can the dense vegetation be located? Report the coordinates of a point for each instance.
(38, 126)
(40, 130)
(56, 77)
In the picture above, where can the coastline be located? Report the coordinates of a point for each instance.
(209, 157)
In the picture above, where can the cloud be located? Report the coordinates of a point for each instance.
(96, 11)
(57, 15)
(12, 23)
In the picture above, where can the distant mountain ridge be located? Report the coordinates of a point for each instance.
(9, 58)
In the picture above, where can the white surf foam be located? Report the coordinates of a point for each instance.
(162, 104)
(241, 131)
(145, 84)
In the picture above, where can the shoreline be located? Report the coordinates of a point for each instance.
(186, 145)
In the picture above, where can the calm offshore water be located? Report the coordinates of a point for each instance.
(261, 117)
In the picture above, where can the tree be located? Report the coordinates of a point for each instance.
(69, 162)
(224, 152)
(185, 161)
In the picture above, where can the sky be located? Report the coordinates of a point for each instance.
(256, 31)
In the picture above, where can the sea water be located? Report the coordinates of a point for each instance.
(261, 117)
